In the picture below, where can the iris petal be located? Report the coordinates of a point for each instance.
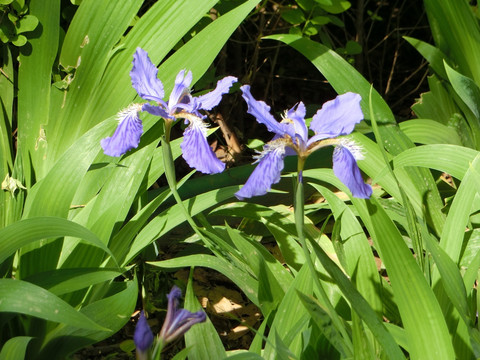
(297, 115)
(144, 77)
(337, 117)
(197, 152)
(157, 111)
(180, 89)
(126, 136)
(143, 336)
(346, 169)
(266, 174)
(178, 321)
(184, 320)
(211, 99)
(261, 111)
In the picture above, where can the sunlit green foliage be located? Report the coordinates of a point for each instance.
(392, 277)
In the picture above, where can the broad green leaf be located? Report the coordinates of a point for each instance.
(87, 50)
(469, 93)
(244, 281)
(62, 281)
(419, 309)
(425, 131)
(290, 314)
(111, 206)
(25, 298)
(27, 231)
(244, 356)
(337, 6)
(220, 29)
(280, 225)
(34, 81)
(360, 263)
(452, 159)
(423, 320)
(453, 285)
(323, 321)
(27, 23)
(8, 213)
(157, 32)
(174, 216)
(452, 237)
(15, 348)
(19, 40)
(360, 305)
(112, 312)
(456, 32)
(293, 16)
(432, 54)
(202, 337)
(64, 178)
(258, 257)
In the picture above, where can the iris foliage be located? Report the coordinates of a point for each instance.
(76, 225)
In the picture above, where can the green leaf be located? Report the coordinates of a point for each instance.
(450, 21)
(245, 356)
(336, 7)
(26, 23)
(291, 314)
(202, 337)
(34, 81)
(353, 48)
(323, 321)
(280, 223)
(424, 131)
(453, 233)
(174, 216)
(18, 5)
(62, 281)
(293, 16)
(27, 231)
(306, 5)
(15, 348)
(112, 312)
(421, 314)
(320, 20)
(360, 263)
(220, 29)
(469, 93)
(244, 281)
(258, 258)
(19, 40)
(432, 54)
(452, 159)
(25, 298)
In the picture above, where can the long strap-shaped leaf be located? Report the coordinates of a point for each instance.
(34, 81)
(25, 298)
(421, 314)
(27, 231)
(456, 31)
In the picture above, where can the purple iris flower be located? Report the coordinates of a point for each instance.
(180, 105)
(178, 321)
(143, 336)
(336, 118)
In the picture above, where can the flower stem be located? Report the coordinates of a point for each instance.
(157, 351)
(172, 183)
(299, 223)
